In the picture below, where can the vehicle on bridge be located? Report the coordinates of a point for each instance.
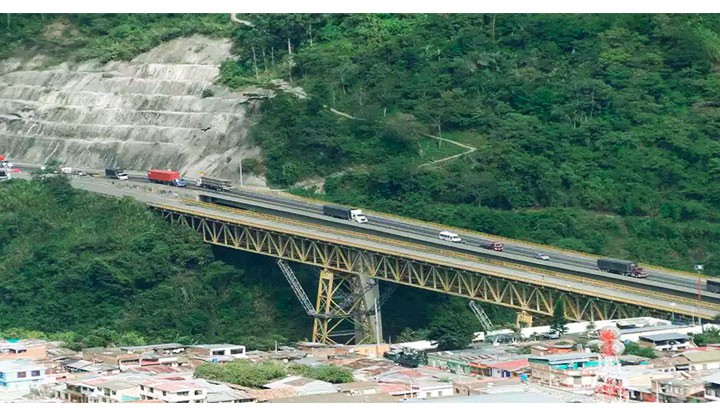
(169, 177)
(713, 286)
(449, 236)
(345, 213)
(622, 267)
(493, 245)
(544, 257)
(116, 173)
(214, 184)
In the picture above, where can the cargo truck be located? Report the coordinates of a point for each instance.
(344, 213)
(169, 177)
(495, 246)
(115, 173)
(622, 267)
(215, 184)
(713, 286)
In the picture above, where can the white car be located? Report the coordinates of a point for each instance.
(542, 256)
(450, 237)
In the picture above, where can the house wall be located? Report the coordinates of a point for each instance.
(14, 379)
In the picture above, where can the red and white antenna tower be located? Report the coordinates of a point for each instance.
(609, 371)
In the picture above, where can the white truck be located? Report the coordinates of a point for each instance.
(340, 212)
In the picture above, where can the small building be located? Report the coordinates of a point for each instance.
(679, 390)
(671, 364)
(302, 385)
(572, 370)
(218, 392)
(709, 360)
(112, 357)
(173, 391)
(666, 342)
(428, 389)
(359, 388)
(162, 349)
(217, 352)
(20, 374)
(115, 391)
(24, 349)
(712, 387)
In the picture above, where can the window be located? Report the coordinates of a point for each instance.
(164, 393)
(183, 393)
(237, 351)
(427, 394)
(35, 373)
(21, 375)
(198, 392)
(142, 388)
(152, 390)
(439, 394)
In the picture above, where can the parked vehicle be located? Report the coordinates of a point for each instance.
(542, 256)
(449, 236)
(169, 177)
(214, 184)
(622, 267)
(115, 173)
(495, 246)
(713, 285)
(345, 213)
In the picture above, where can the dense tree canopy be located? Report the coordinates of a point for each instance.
(72, 261)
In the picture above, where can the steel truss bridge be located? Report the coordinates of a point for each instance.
(346, 258)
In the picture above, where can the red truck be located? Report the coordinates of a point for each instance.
(495, 246)
(170, 177)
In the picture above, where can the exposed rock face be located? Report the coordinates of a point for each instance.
(147, 113)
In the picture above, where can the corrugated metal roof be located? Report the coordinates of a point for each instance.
(702, 357)
(665, 337)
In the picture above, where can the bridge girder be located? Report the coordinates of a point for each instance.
(520, 295)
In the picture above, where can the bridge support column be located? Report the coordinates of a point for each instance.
(336, 323)
(374, 321)
(524, 317)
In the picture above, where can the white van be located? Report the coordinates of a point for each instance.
(450, 237)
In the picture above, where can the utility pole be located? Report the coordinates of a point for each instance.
(699, 269)
(241, 173)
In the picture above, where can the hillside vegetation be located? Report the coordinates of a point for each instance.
(596, 133)
(95, 271)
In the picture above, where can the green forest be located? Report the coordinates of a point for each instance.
(589, 132)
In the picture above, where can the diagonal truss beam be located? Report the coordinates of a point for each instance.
(524, 296)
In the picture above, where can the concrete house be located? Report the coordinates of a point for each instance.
(709, 360)
(173, 391)
(666, 342)
(573, 370)
(20, 374)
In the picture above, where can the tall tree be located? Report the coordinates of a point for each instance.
(559, 321)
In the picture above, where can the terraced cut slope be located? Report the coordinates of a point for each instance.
(146, 113)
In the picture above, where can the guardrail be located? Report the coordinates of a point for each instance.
(669, 298)
(482, 235)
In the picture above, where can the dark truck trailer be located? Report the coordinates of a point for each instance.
(115, 173)
(344, 213)
(713, 286)
(622, 267)
(214, 184)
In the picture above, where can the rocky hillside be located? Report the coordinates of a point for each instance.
(162, 109)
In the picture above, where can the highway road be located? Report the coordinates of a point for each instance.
(472, 242)
(390, 246)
